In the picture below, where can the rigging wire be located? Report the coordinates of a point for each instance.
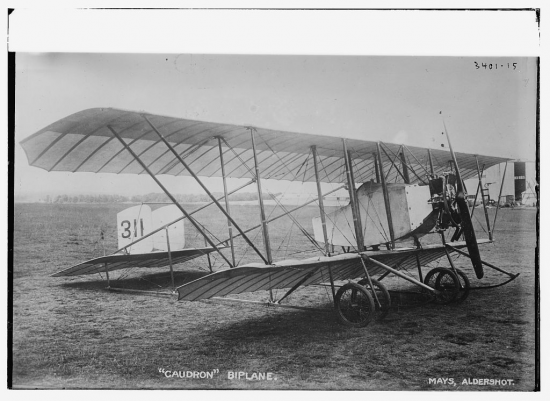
(302, 229)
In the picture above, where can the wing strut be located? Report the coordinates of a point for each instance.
(353, 200)
(478, 187)
(191, 219)
(479, 175)
(376, 168)
(170, 260)
(404, 166)
(107, 273)
(500, 194)
(320, 197)
(229, 228)
(386, 196)
(265, 230)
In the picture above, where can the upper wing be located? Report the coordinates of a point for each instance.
(83, 142)
(287, 274)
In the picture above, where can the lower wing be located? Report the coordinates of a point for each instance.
(286, 274)
(121, 261)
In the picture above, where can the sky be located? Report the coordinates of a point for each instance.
(396, 99)
(393, 99)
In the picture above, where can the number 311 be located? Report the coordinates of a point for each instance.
(126, 225)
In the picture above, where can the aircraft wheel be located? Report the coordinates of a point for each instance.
(354, 305)
(465, 286)
(446, 282)
(383, 296)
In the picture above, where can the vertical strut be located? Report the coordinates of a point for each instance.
(376, 168)
(210, 260)
(170, 259)
(192, 220)
(357, 206)
(483, 202)
(321, 203)
(229, 228)
(404, 167)
(107, 274)
(265, 230)
(375, 296)
(386, 197)
(332, 284)
(353, 200)
(419, 267)
(479, 187)
(500, 194)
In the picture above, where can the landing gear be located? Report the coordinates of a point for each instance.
(445, 282)
(441, 279)
(383, 296)
(354, 305)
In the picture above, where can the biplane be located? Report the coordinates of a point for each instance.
(397, 195)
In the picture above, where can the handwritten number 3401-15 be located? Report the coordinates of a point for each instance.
(494, 66)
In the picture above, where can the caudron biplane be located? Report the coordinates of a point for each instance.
(397, 195)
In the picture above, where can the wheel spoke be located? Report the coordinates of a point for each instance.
(354, 305)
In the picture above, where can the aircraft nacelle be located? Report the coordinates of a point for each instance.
(411, 211)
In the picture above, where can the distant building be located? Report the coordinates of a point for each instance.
(520, 177)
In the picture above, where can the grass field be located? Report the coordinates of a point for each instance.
(73, 333)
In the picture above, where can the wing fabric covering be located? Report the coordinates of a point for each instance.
(285, 274)
(118, 261)
(82, 142)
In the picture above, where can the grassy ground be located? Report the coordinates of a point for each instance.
(72, 333)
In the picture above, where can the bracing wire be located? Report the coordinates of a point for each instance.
(300, 227)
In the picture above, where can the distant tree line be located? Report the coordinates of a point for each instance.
(152, 197)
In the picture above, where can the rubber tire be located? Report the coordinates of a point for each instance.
(465, 286)
(433, 279)
(383, 297)
(345, 308)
